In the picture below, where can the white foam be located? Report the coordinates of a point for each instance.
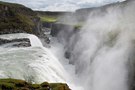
(35, 64)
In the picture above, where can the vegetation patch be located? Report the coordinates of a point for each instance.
(16, 18)
(16, 84)
(46, 18)
(77, 26)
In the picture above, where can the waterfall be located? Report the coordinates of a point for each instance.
(100, 56)
(34, 64)
(103, 50)
(35, 41)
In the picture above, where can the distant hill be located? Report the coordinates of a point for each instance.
(82, 14)
(55, 13)
(18, 18)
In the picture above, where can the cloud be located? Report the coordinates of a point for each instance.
(61, 5)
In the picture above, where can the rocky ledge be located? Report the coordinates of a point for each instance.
(15, 84)
(22, 42)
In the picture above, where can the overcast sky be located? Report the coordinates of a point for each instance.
(61, 5)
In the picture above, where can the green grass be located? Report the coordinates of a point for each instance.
(77, 26)
(18, 21)
(59, 86)
(25, 19)
(46, 18)
(12, 84)
(7, 86)
(16, 17)
(16, 84)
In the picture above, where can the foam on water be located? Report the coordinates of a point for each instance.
(34, 64)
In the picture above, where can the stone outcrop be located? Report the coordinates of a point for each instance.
(23, 42)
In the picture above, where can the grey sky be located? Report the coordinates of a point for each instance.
(61, 5)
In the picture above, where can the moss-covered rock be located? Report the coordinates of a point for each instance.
(59, 86)
(35, 86)
(15, 84)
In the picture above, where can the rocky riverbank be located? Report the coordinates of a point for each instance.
(16, 84)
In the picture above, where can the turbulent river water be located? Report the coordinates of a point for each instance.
(34, 64)
(102, 52)
(100, 55)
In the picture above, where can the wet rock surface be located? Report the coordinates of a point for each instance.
(23, 42)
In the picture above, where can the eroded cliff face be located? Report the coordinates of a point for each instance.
(16, 18)
(99, 12)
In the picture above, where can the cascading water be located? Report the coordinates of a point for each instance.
(34, 64)
(102, 53)
(103, 50)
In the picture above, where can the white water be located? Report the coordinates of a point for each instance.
(34, 64)
(58, 50)
(103, 50)
(102, 54)
(35, 42)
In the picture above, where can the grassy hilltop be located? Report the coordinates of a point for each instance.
(17, 18)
